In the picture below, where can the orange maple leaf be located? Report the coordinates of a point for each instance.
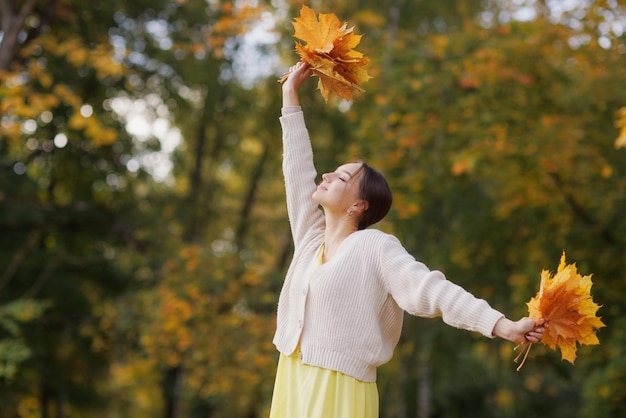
(328, 46)
(564, 301)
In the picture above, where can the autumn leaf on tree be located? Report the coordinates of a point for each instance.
(564, 301)
(620, 142)
(328, 46)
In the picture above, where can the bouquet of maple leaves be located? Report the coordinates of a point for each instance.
(328, 46)
(564, 301)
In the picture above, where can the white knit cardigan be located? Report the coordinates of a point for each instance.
(347, 315)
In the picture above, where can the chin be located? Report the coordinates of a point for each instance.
(315, 198)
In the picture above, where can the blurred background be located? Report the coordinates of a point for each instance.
(143, 229)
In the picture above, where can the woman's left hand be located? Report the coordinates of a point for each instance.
(523, 330)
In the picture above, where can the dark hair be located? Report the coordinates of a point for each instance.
(376, 191)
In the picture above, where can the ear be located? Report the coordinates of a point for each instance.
(360, 206)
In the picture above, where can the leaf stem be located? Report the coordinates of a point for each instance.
(524, 352)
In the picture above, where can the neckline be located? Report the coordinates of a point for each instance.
(322, 249)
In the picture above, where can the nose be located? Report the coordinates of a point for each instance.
(325, 177)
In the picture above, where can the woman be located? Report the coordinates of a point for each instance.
(341, 306)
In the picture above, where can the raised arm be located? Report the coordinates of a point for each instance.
(298, 168)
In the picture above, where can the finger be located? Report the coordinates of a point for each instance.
(534, 336)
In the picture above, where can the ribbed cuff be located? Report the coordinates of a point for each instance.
(487, 322)
(288, 110)
(293, 122)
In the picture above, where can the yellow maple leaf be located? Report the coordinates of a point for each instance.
(564, 301)
(328, 46)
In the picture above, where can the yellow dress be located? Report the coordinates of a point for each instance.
(304, 391)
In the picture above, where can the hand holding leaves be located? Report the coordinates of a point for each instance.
(565, 301)
(328, 48)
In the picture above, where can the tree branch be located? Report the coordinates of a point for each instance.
(582, 213)
(19, 257)
(43, 277)
(12, 23)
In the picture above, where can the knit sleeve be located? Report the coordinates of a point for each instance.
(427, 293)
(299, 173)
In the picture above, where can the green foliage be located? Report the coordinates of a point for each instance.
(13, 349)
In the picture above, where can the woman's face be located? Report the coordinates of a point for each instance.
(340, 189)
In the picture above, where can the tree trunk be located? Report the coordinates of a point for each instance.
(248, 203)
(423, 384)
(12, 23)
(44, 398)
(172, 389)
(403, 378)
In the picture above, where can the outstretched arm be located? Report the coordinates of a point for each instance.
(523, 330)
(427, 293)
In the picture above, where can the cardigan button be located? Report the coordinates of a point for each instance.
(299, 324)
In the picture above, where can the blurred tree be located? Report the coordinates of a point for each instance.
(68, 202)
(205, 313)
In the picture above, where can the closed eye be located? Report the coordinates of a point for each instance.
(343, 175)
